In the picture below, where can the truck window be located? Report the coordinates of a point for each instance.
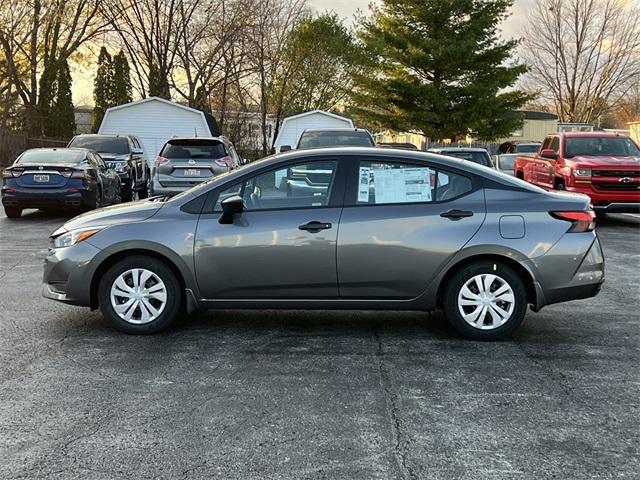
(555, 144)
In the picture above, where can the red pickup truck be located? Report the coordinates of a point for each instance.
(604, 166)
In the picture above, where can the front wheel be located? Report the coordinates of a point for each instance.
(139, 295)
(485, 300)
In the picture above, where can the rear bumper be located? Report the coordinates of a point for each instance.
(572, 270)
(618, 207)
(49, 198)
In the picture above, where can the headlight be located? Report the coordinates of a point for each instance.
(582, 172)
(74, 236)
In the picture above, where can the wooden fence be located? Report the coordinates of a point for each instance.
(13, 143)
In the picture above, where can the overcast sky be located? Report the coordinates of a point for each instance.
(347, 8)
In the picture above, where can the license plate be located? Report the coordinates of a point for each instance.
(41, 178)
(191, 172)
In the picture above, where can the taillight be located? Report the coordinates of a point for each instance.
(66, 173)
(12, 173)
(224, 161)
(161, 161)
(582, 221)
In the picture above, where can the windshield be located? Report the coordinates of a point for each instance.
(527, 148)
(50, 156)
(193, 149)
(114, 145)
(481, 158)
(600, 146)
(335, 139)
(506, 162)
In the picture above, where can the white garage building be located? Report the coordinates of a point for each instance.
(155, 120)
(294, 125)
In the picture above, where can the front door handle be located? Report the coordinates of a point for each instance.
(315, 227)
(456, 214)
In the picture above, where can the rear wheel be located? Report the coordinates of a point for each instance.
(139, 295)
(485, 300)
(129, 190)
(13, 212)
(145, 191)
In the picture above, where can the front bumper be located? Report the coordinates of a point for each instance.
(610, 201)
(67, 274)
(47, 198)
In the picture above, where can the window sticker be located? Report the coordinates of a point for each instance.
(363, 184)
(402, 185)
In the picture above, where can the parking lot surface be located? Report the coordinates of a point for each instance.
(336, 395)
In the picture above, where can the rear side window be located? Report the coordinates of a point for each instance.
(193, 149)
(555, 144)
(382, 183)
(335, 139)
(116, 145)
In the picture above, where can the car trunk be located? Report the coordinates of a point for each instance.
(43, 175)
(189, 162)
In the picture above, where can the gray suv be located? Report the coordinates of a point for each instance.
(385, 229)
(185, 162)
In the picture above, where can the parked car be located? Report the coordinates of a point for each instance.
(185, 162)
(58, 178)
(332, 137)
(475, 155)
(505, 162)
(604, 166)
(125, 153)
(391, 230)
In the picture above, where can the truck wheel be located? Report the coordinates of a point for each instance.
(129, 190)
(520, 175)
(485, 300)
(560, 185)
(145, 191)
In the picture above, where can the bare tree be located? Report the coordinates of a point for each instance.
(272, 22)
(37, 36)
(584, 55)
(149, 31)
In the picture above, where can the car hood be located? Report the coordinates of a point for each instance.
(605, 161)
(124, 213)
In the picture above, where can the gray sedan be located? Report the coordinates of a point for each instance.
(390, 229)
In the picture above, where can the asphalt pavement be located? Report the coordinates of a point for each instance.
(335, 395)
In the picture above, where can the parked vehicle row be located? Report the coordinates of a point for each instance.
(98, 170)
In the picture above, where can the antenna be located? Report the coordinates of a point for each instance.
(195, 132)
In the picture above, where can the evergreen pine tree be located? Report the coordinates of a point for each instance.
(47, 88)
(103, 87)
(121, 80)
(61, 122)
(439, 67)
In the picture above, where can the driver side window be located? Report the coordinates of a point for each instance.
(303, 185)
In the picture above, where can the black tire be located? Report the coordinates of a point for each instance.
(559, 185)
(144, 192)
(129, 190)
(161, 270)
(13, 212)
(462, 276)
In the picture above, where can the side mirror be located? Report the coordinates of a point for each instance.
(285, 148)
(230, 207)
(548, 153)
(137, 151)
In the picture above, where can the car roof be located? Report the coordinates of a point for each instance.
(336, 129)
(457, 149)
(219, 139)
(104, 135)
(56, 149)
(591, 135)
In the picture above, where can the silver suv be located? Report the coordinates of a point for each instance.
(185, 162)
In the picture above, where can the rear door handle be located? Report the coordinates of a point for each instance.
(314, 226)
(456, 214)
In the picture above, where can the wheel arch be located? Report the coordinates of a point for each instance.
(114, 257)
(525, 274)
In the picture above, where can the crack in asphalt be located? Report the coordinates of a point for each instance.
(393, 413)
